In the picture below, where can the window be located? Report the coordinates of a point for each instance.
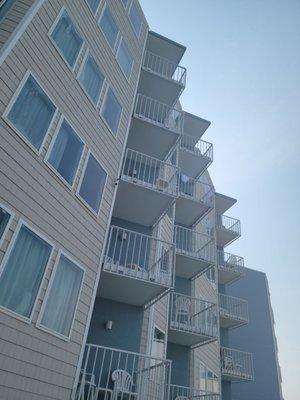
(109, 27)
(125, 59)
(32, 113)
(5, 216)
(93, 4)
(67, 38)
(23, 272)
(91, 78)
(135, 19)
(63, 295)
(111, 111)
(92, 185)
(209, 381)
(158, 343)
(211, 276)
(66, 152)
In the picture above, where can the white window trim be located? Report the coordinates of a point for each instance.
(11, 217)
(48, 290)
(96, 214)
(11, 104)
(89, 7)
(57, 19)
(139, 12)
(46, 159)
(95, 105)
(115, 135)
(128, 78)
(4, 262)
(113, 49)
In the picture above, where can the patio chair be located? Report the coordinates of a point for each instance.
(123, 385)
(183, 313)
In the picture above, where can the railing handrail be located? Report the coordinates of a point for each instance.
(237, 351)
(238, 299)
(230, 222)
(197, 299)
(192, 231)
(166, 163)
(197, 393)
(228, 255)
(196, 143)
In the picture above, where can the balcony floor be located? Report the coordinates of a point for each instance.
(139, 204)
(229, 321)
(160, 88)
(192, 164)
(236, 377)
(189, 211)
(227, 275)
(188, 266)
(156, 139)
(187, 337)
(225, 236)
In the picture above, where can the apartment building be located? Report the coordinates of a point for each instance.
(113, 269)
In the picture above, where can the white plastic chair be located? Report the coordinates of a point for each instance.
(183, 310)
(123, 384)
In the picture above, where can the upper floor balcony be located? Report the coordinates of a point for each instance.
(156, 127)
(146, 188)
(236, 365)
(113, 374)
(196, 198)
(195, 252)
(195, 155)
(192, 321)
(161, 78)
(187, 393)
(230, 267)
(228, 229)
(136, 267)
(233, 311)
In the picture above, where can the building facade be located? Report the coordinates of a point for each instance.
(113, 269)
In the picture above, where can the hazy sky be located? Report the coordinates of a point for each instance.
(243, 61)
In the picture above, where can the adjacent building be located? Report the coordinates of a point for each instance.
(114, 268)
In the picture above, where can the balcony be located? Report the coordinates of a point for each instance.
(136, 267)
(161, 78)
(109, 373)
(192, 321)
(186, 393)
(228, 229)
(195, 252)
(145, 182)
(156, 127)
(230, 267)
(233, 311)
(196, 198)
(194, 155)
(236, 365)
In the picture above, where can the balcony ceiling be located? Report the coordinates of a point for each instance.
(223, 203)
(187, 267)
(194, 125)
(192, 164)
(225, 236)
(165, 47)
(187, 338)
(230, 322)
(189, 211)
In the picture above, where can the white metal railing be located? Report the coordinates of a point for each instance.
(139, 256)
(193, 315)
(164, 67)
(194, 244)
(230, 262)
(112, 374)
(158, 113)
(187, 393)
(200, 147)
(150, 172)
(196, 189)
(233, 307)
(236, 364)
(228, 223)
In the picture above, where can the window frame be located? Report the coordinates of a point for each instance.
(113, 49)
(133, 3)
(108, 86)
(89, 7)
(5, 259)
(48, 153)
(11, 217)
(87, 53)
(39, 324)
(96, 214)
(163, 331)
(11, 104)
(49, 34)
(128, 78)
(207, 370)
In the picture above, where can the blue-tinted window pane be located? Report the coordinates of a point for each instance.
(62, 300)
(91, 78)
(66, 152)
(109, 27)
(112, 111)
(92, 184)
(4, 218)
(32, 112)
(125, 59)
(67, 39)
(23, 272)
(93, 4)
(135, 19)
